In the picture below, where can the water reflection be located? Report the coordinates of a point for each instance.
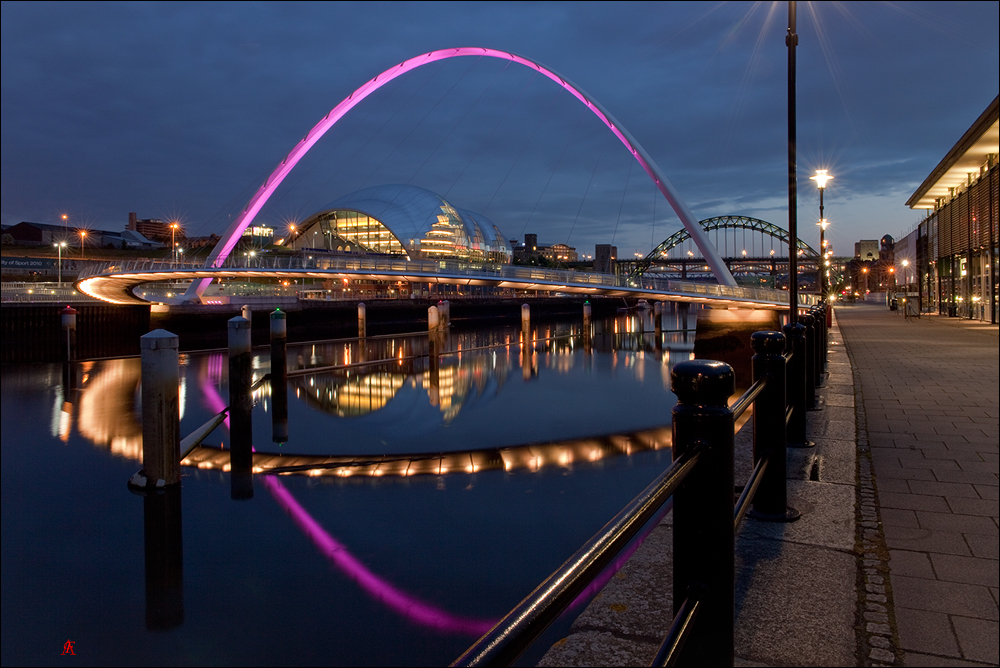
(414, 501)
(473, 372)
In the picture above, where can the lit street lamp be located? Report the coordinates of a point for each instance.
(173, 243)
(821, 177)
(59, 247)
(83, 244)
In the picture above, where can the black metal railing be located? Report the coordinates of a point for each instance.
(786, 367)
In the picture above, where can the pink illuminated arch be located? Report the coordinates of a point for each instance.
(235, 230)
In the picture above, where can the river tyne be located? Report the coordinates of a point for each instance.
(422, 505)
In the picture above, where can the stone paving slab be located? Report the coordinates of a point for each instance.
(930, 391)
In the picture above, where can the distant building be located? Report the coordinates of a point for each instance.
(866, 249)
(554, 254)
(558, 253)
(153, 228)
(44, 234)
(605, 256)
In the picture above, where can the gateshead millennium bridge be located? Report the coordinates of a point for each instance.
(117, 282)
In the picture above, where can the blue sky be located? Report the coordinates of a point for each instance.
(181, 110)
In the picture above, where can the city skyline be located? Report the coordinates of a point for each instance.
(180, 112)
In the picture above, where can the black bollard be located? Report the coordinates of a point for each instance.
(818, 326)
(279, 376)
(162, 532)
(240, 406)
(704, 562)
(795, 384)
(810, 360)
(770, 503)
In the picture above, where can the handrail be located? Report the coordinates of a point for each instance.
(512, 635)
(747, 398)
(703, 443)
(749, 490)
(680, 629)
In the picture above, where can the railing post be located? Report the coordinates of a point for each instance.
(825, 329)
(770, 503)
(703, 508)
(795, 386)
(161, 440)
(240, 406)
(279, 376)
(818, 326)
(810, 360)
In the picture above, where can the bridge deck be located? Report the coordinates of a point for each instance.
(116, 282)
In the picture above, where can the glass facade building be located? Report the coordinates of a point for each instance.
(957, 244)
(402, 220)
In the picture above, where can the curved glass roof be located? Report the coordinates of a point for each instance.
(425, 223)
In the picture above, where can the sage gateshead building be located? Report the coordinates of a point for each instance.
(950, 259)
(401, 220)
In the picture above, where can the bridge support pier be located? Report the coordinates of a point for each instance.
(279, 376)
(526, 325)
(433, 351)
(586, 326)
(240, 406)
(68, 318)
(161, 440)
(658, 323)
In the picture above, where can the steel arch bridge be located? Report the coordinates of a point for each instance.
(675, 240)
(235, 230)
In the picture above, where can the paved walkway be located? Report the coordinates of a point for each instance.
(797, 597)
(929, 391)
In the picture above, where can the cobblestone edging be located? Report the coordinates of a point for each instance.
(878, 639)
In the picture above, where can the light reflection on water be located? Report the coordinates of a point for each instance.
(468, 542)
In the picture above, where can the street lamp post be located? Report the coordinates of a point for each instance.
(59, 247)
(173, 242)
(821, 177)
(83, 244)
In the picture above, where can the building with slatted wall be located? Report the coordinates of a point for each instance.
(956, 245)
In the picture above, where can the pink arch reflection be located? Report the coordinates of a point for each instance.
(405, 604)
(264, 192)
(381, 589)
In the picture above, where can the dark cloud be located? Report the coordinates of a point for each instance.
(184, 108)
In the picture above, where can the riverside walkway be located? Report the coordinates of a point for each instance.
(929, 390)
(894, 561)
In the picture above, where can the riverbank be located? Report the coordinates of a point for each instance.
(32, 332)
(796, 600)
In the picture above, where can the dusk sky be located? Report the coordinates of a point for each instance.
(181, 110)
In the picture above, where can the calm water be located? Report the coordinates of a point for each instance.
(498, 468)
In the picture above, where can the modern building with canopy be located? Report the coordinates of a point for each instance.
(401, 220)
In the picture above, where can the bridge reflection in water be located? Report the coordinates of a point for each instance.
(500, 506)
(355, 378)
